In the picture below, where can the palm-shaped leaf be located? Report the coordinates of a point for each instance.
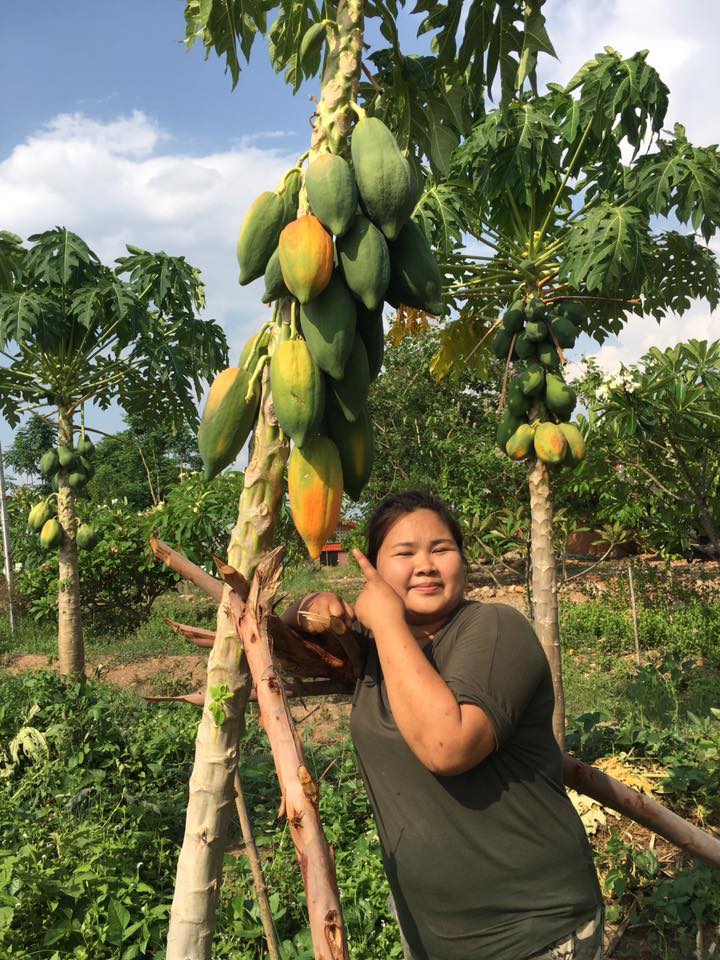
(60, 258)
(606, 249)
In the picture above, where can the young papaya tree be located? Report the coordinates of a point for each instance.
(72, 331)
(334, 241)
(584, 211)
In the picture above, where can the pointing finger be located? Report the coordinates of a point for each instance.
(366, 568)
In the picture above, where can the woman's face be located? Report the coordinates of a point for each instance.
(422, 563)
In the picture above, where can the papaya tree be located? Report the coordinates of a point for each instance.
(305, 375)
(74, 331)
(583, 211)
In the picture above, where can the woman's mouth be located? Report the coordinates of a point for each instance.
(427, 587)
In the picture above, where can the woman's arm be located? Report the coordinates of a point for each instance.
(447, 737)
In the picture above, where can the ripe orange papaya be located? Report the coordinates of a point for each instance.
(259, 235)
(298, 390)
(550, 443)
(306, 257)
(370, 328)
(328, 324)
(332, 192)
(356, 445)
(414, 275)
(351, 392)
(315, 488)
(575, 443)
(227, 419)
(365, 261)
(384, 177)
(520, 443)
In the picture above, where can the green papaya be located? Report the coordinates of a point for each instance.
(49, 463)
(500, 343)
(332, 192)
(531, 379)
(39, 516)
(255, 347)
(51, 535)
(575, 443)
(550, 443)
(536, 330)
(535, 309)
(560, 399)
(86, 536)
(525, 349)
(86, 467)
(66, 457)
(76, 480)
(298, 390)
(85, 447)
(365, 261)
(564, 329)
(548, 355)
(227, 419)
(414, 275)
(290, 194)
(259, 235)
(514, 318)
(370, 328)
(384, 177)
(574, 311)
(356, 446)
(517, 402)
(351, 392)
(275, 288)
(507, 426)
(520, 443)
(328, 324)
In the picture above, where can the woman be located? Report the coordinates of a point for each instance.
(452, 723)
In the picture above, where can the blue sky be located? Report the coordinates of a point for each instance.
(118, 132)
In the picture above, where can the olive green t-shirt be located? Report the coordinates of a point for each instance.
(494, 863)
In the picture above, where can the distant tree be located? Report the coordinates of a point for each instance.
(29, 444)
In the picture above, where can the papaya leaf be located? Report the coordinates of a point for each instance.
(464, 346)
(20, 313)
(679, 270)
(12, 255)
(59, 258)
(224, 26)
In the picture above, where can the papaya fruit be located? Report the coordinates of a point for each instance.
(255, 347)
(86, 536)
(365, 261)
(535, 309)
(49, 463)
(384, 177)
(39, 516)
(507, 426)
(414, 275)
(370, 328)
(306, 257)
(290, 194)
(328, 324)
(315, 488)
(76, 480)
(517, 402)
(574, 311)
(514, 318)
(52, 534)
(500, 343)
(66, 457)
(332, 192)
(351, 392)
(548, 355)
(85, 447)
(356, 446)
(560, 399)
(259, 234)
(525, 349)
(531, 379)
(550, 443)
(86, 467)
(520, 444)
(298, 390)
(275, 288)
(536, 330)
(564, 329)
(575, 443)
(227, 419)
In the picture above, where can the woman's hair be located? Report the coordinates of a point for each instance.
(399, 505)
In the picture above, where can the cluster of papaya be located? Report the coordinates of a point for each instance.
(42, 520)
(353, 247)
(75, 466)
(539, 402)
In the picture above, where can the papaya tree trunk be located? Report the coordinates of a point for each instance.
(211, 796)
(71, 650)
(544, 586)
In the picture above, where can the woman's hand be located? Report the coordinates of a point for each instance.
(322, 607)
(378, 605)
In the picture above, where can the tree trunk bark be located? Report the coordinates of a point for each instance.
(544, 584)
(71, 650)
(212, 795)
